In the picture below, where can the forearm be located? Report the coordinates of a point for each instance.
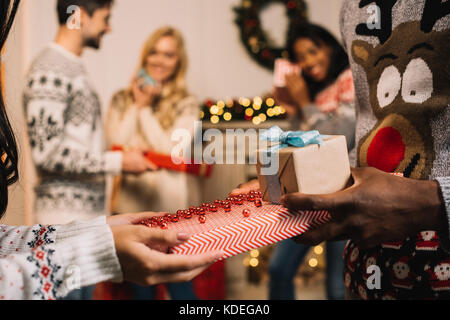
(58, 146)
(48, 262)
(81, 162)
(444, 190)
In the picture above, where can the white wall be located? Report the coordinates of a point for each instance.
(219, 65)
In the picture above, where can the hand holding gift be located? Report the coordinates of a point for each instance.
(378, 207)
(143, 253)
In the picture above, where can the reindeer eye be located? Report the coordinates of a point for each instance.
(388, 86)
(417, 82)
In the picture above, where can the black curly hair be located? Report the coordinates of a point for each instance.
(9, 173)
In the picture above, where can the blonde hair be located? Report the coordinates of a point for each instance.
(175, 89)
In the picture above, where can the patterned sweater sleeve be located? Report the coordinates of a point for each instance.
(444, 183)
(47, 262)
(60, 127)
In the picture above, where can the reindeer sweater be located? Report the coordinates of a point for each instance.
(399, 52)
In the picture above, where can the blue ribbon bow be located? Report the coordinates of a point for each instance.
(286, 139)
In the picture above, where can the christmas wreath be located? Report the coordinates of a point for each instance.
(254, 38)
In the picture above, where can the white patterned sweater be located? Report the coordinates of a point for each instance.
(47, 262)
(65, 129)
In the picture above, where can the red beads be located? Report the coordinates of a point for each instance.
(227, 207)
(201, 211)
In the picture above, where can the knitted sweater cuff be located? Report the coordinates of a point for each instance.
(86, 249)
(444, 183)
(113, 162)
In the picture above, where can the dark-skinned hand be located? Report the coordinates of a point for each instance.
(378, 207)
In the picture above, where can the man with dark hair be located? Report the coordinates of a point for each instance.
(89, 6)
(95, 15)
(65, 125)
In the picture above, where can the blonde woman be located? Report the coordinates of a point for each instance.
(144, 116)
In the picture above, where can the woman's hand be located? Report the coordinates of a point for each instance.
(131, 218)
(245, 188)
(135, 162)
(144, 95)
(298, 90)
(144, 260)
(283, 98)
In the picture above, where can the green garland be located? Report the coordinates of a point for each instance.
(254, 38)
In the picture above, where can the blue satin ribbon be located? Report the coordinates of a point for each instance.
(286, 139)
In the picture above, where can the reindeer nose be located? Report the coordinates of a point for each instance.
(387, 150)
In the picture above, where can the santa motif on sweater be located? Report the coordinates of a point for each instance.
(370, 261)
(402, 276)
(353, 259)
(428, 241)
(396, 245)
(440, 276)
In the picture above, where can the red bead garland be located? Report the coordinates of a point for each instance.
(201, 211)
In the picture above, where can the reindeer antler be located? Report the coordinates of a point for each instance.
(433, 11)
(386, 20)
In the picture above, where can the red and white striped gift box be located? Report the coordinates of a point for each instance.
(233, 233)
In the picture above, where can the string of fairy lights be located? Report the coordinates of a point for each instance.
(255, 259)
(257, 110)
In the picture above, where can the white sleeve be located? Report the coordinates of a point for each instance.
(47, 262)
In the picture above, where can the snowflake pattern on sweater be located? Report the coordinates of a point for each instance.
(65, 130)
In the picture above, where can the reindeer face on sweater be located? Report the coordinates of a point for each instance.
(409, 84)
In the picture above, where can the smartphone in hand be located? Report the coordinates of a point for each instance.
(284, 67)
(148, 81)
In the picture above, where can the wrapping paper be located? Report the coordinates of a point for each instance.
(233, 233)
(313, 169)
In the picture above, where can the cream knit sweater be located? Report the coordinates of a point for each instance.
(130, 126)
(47, 262)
